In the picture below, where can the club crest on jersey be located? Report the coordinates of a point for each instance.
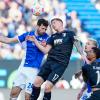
(64, 34)
(40, 39)
(58, 41)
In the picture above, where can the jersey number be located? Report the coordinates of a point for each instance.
(98, 76)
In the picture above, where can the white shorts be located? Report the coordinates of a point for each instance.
(25, 78)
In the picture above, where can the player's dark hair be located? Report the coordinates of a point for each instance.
(97, 52)
(58, 19)
(42, 22)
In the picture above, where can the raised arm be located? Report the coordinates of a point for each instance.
(80, 49)
(44, 49)
(7, 40)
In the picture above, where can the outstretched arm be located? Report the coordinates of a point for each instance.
(7, 40)
(80, 49)
(44, 49)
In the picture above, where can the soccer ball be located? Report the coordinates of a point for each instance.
(37, 9)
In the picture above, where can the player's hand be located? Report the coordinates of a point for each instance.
(77, 74)
(31, 38)
(85, 59)
(43, 43)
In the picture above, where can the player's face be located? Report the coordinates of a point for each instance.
(41, 29)
(89, 45)
(56, 25)
(91, 55)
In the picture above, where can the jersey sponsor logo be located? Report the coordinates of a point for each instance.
(56, 76)
(58, 41)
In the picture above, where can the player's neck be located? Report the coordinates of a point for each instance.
(92, 60)
(36, 33)
(60, 29)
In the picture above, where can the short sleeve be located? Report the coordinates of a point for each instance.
(22, 37)
(84, 68)
(50, 41)
(72, 34)
(85, 72)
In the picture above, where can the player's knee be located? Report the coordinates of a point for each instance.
(38, 81)
(27, 96)
(48, 87)
(15, 92)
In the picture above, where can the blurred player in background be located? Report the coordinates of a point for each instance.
(91, 73)
(59, 47)
(89, 44)
(31, 61)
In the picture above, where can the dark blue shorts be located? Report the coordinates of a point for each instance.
(52, 71)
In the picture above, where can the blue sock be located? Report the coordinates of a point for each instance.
(47, 96)
(35, 93)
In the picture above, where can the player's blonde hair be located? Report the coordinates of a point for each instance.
(94, 42)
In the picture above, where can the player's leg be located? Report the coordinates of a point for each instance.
(36, 88)
(46, 89)
(30, 77)
(15, 93)
(43, 95)
(18, 85)
(54, 76)
(27, 96)
(42, 76)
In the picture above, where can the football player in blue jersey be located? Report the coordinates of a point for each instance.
(31, 61)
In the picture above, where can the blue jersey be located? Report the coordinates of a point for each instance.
(33, 56)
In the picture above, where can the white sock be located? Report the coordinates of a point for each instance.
(13, 98)
(42, 92)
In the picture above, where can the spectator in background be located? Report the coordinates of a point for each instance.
(14, 24)
(76, 23)
(76, 26)
(62, 84)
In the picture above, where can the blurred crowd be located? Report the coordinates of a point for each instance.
(16, 18)
(97, 4)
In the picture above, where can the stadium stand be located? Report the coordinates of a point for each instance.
(88, 14)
